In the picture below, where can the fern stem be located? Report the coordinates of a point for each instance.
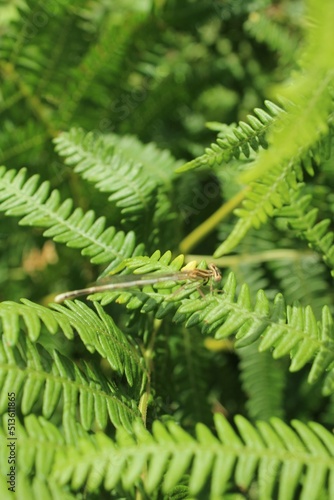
(142, 407)
(148, 357)
(254, 258)
(211, 223)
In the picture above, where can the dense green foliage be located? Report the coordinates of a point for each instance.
(134, 133)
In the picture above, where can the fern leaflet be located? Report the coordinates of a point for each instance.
(244, 138)
(29, 371)
(304, 221)
(21, 197)
(285, 329)
(276, 453)
(98, 332)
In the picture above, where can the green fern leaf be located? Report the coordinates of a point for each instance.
(308, 98)
(138, 184)
(162, 458)
(239, 140)
(97, 331)
(263, 197)
(32, 315)
(25, 199)
(263, 382)
(26, 369)
(284, 330)
(103, 60)
(304, 221)
(40, 441)
(264, 30)
(131, 190)
(303, 278)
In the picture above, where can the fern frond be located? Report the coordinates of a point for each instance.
(303, 219)
(308, 98)
(301, 456)
(86, 378)
(133, 181)
(273, 191)
(277, 188)
(25, 198)
(238, 140)
(285, 330)
(263, 381)
(156, 162)
(98, 332)
(185, 361)
(303, 279)
(40, 441)
(21, 140)
(33, 316)
(101, 63)
(266, 30)
(29, 372)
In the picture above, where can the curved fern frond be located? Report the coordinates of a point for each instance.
(25, 198)
(272, 454)
(32, 316)
(243, 139)
(28, 371)
(277, 188)
(135, 181)
(131, 190)
(304, 221)
(86, 150)
(308, 97)
(98, 332)
(274, 190)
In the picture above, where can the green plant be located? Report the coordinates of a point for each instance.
(152, 392)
